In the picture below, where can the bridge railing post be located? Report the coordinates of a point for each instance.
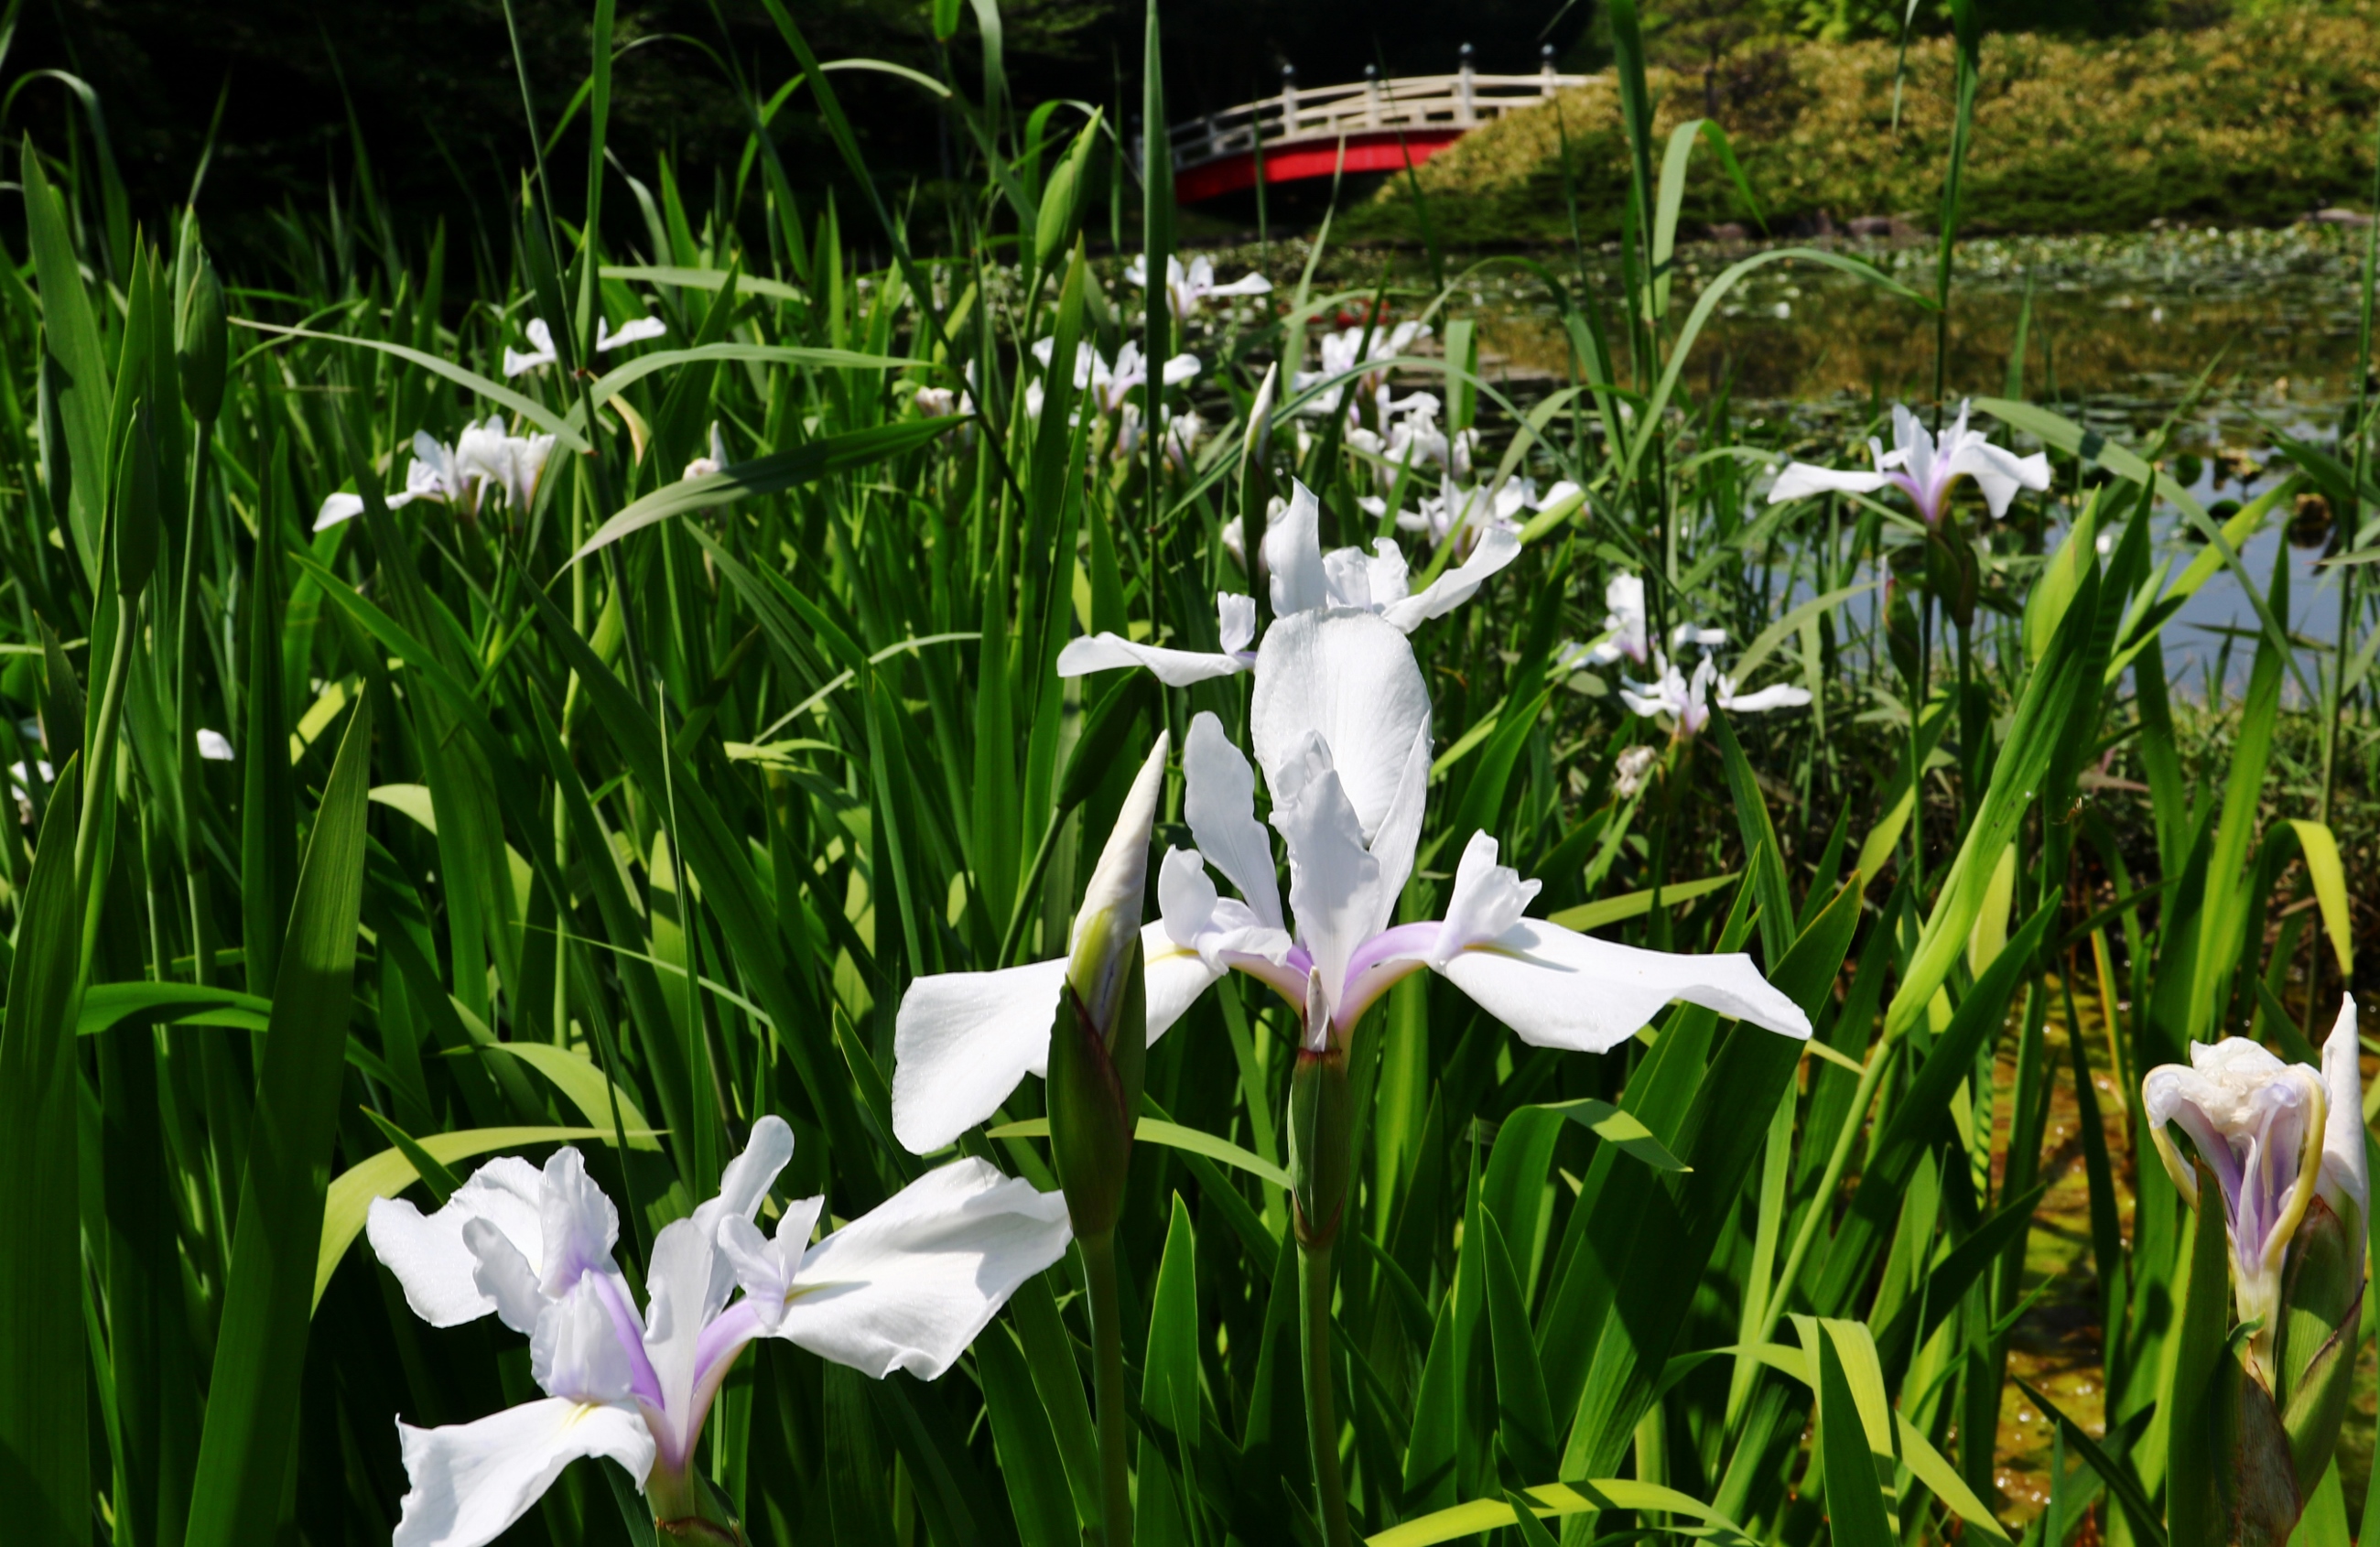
(1371, 96)
(1544, 69)
(1465, 109)
(1288, 100)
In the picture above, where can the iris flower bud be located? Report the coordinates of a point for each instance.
(1100, 1042)
(202, 340)
(2285, 1145)
(135, 529)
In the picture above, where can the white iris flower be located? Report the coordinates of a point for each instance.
(905, 1286)
(1186, 289)
(1924, 470)
(1303, 579)
(1685, 702)
(485, 456)
(1340, 722)
(542, 352)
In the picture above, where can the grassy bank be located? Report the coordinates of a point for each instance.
(2257, 121)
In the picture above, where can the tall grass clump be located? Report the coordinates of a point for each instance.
(558, 815)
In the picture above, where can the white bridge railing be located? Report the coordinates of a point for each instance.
(1459, 101)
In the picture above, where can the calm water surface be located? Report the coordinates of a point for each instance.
(2258, 331)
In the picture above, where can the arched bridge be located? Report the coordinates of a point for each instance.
(1372, 125)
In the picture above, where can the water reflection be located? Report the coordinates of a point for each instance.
(2256, 330)
(2116, 325)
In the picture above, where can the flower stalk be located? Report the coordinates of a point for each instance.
(1107, 1383)
(687, 1508)
(1314, 1284)
(1321, 1160)
(1099, 1045)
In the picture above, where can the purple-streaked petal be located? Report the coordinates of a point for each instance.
(1380, 963)
(1913, 445)
(2254, 1120)
(689, 1280)
(576, 1352)
(579, 1225)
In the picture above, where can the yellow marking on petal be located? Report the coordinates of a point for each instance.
(2185, 1180)
(2309, 1170)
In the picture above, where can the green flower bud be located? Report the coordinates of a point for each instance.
(1109, 922)
(1257, 444)
(203, 341)
(1099, 1044)
(1095, 1098)
(1062, 197)
(133, 533)
(1255, 473)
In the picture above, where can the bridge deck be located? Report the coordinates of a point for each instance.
(1362, 125)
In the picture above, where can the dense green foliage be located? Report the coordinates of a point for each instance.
(2257, 121)
(621, 797)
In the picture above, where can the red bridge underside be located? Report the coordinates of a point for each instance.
(1377, 151)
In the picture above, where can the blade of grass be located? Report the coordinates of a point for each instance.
(244, 1451)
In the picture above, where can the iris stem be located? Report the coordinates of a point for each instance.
(185, 683)
(102, 748)
(1107, 1346)
(1321, 1424)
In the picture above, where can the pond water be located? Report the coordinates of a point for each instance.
(2118, 327)
(2118, 333)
